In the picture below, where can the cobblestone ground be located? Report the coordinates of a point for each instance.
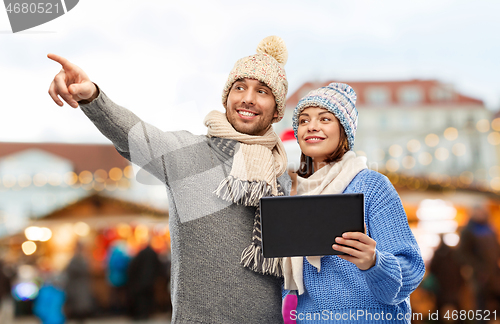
(158, 319)
(7, 317)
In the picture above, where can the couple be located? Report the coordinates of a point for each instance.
(214, 184)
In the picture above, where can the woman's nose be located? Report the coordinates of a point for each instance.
(313, 126)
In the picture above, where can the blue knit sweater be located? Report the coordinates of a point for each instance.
(341, 293)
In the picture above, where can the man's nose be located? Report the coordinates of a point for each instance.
(249, 97)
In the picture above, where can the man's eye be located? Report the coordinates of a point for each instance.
(238, 88)
(263, 91)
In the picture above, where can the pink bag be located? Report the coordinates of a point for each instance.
(289, 304)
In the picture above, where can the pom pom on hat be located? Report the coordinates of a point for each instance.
(274, 46)
(267, 66)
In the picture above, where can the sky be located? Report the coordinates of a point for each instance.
(167, 61)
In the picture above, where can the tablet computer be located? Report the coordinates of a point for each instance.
(308, 225)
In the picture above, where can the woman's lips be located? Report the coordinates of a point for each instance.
(314, 139)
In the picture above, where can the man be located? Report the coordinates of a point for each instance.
(480, 250)
(79, 298)
(214, 184)
(143, 271)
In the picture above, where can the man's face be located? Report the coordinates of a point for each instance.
(250, 107)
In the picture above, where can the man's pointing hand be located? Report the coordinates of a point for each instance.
(72, 84)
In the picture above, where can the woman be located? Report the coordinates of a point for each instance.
(372, 282)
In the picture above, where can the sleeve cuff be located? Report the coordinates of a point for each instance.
(86, 102)
(384, 267)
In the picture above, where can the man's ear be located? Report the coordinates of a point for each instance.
(275, 112)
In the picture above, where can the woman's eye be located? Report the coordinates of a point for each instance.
(326, 119)
(302, 121)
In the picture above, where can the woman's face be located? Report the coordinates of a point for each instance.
(318, 133)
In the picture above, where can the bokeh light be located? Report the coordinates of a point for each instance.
(70, 178)
(81, 229)
(55, 179)
(100, 175)
(395, 150)
(494, 138)
(129, 172)
(115, 174)
(413, 146)
(46, 234)
(408, 162)
(360, 153)
(141, 233)
(451, 239)
(63, 235)
(33, 233)
(451, 133)
(40, 179)
(24, 180)
(392, 165)
(9, 181)
(458, 149)
(85, 177)
(436, 209)
(483, 125)
(495, 124)
(28, 247)
(425, 158)
(25, 291)
(432, 140)
(124, 230)
(441, 154)
(495, 183)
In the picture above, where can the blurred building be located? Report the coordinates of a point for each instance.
(38, 178)
(421, 128)
(55, 195)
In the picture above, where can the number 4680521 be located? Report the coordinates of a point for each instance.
(477, 315)
(40, 7)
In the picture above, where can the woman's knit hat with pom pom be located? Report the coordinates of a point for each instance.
(267, 66)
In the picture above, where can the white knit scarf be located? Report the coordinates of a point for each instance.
(256, 165)
(330, 179)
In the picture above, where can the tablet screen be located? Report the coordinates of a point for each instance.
(308, 225)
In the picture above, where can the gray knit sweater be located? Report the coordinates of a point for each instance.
(209, 285)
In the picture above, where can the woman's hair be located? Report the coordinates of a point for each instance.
(306, 162)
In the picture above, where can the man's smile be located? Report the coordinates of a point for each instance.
(246, 114)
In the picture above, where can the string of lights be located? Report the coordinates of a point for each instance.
(111, 180)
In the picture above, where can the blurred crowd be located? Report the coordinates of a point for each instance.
(461, 277)
(466, 276)
(132, 282)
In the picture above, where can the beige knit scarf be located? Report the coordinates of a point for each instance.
(256, 165)
(330, 179)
